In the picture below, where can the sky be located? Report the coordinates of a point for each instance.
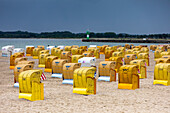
(119, 16)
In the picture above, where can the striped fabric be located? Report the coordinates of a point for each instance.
(43, 76)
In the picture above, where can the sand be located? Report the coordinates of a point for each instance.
(59, 98)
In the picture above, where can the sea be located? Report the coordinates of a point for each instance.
(21, 43)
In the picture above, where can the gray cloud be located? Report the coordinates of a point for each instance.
(129, 16)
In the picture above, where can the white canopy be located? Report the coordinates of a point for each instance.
(87, 61)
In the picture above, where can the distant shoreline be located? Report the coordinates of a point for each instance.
(94, 38)
(128, 40)
(43, 38)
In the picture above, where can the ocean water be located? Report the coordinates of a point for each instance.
(21, 43)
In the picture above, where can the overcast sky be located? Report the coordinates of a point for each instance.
(120, 16)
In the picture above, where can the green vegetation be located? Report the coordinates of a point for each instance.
(67, 34)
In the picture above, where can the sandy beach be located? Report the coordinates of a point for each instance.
(148, 98)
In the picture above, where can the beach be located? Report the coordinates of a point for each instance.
(148, 98)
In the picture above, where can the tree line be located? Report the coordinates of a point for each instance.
(68, 34)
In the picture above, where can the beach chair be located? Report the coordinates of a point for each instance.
(162, 74)
(48, 63)
(129, 51)
(128, 58)
(29, 50)
(84, 81)
(141, 67)
(107, 71)
(36, 52)
(13, 57)
(42, 58)
(108, 54)
(68, 48)
(20, 59)
(30, 86)
(18, 69)
(66, 55)
(57, 67)
(68, 70)
(7, 50)
(162, 60)
(41, 46)
(128, 77)
(118, 61)
(74, 58)
(44, 52)
(144, 56)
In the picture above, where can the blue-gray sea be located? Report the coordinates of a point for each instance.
(21, 43)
